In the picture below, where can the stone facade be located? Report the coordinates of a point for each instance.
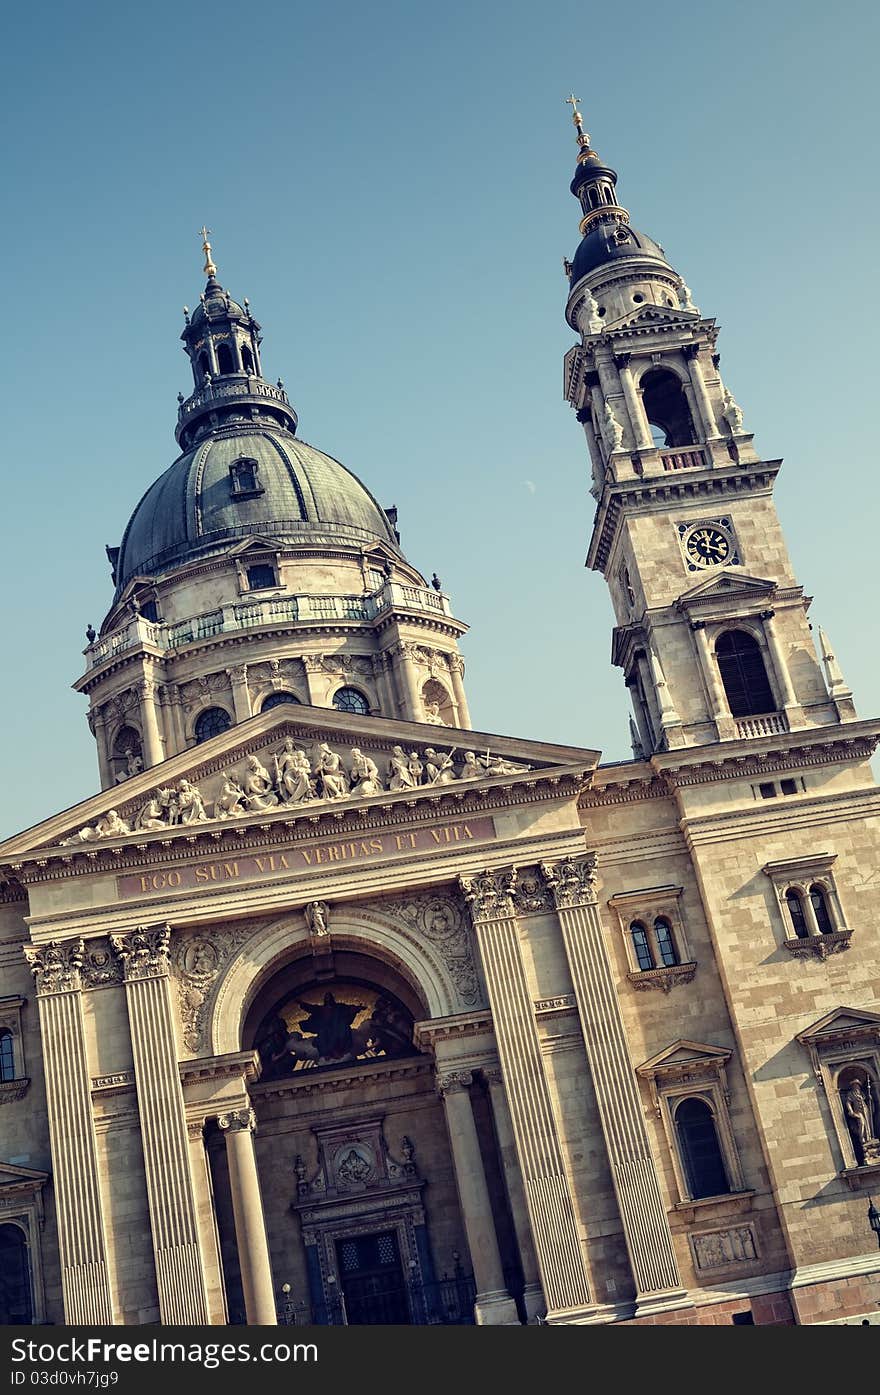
(353, 1013)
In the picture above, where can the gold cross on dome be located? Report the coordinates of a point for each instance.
(209, 267)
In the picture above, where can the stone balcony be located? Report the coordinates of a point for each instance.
(264, 613)
(768, 724)
(221, 391)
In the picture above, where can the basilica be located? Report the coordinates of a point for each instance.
(329, 1009)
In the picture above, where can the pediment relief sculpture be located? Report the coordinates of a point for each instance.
(291, 776)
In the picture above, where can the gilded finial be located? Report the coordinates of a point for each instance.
(209, 267)
(583, 137)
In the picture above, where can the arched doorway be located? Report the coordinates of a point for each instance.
(16, 1300)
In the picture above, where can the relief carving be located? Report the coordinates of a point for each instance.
(572, 881)
(197, 961)
(490, 893)
(56, 966)
(144, 952)
(441, 921)
(717, 1248)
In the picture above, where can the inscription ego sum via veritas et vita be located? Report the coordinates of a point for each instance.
(257, 866)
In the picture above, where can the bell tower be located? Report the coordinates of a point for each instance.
(712, 631)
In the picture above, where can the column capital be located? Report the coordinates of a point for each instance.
(572, 880)
(144, 952)
(622, 360)
(146, 688)
(453, 1082)
(56, 966)
(238, 1121)
(456, 664)
(490, 893)
(691, 351)
(493, 1075)
(238, 673)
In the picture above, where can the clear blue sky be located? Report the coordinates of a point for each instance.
(388, 185)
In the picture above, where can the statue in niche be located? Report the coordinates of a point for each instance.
(612, 430)
(438, 767)
(316, 913)
(153, 814)
(432, 714)
(330, 1023)
(399, 776)
(364, 774)
(257, 786)
(293, 775)
(859, 1115)
(133, 765)
(190, 806)
(331, 773)
(230, 801)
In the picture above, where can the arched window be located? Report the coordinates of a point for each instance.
(16, 1306)
(743, 674)
(666, 407)
(665, 943)
(7, 1056)
(350, 700)
(276, 699)
(204, 363)
(224, 359)
(641, 948)
(700, 1152)
(819, 902)
(247, 359)
(796, 911)
(210, 723)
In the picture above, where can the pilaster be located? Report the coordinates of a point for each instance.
(173, 1216)
(85, 1279)
(572, 883)
(558, 1246)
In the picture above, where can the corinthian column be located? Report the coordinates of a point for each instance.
(494, 1305)
(572, 882)
(85, 1282)
(173, 1218)
(456, 675)
(548, 1196)
(247, 1210)
(154, 752)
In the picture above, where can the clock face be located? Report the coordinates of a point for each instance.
(707, 546)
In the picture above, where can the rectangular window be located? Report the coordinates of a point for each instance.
(768, 790)
(261, 576)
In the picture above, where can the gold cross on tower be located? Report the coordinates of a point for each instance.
(572, 101)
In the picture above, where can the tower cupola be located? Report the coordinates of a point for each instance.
(222, 341)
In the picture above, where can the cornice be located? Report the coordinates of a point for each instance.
(634, 790)
(792, 750)
(668, 489)
(320, 1081)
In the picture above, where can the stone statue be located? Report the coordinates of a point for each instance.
(859, 1115)
(471, 769)
(438, 767)
(612, 429)
(109, 825)
(257, 786)
(588, 318)
(190, 806)
(153, 814)
(416, 768)
(331, 772)
(432, 714)
(293, 774)
(685, 299)
(316, 913)
(497, 765)
(91, 636)
(364, 774)
(330, 1023)
(732, 412)
(399, 775)
(229, 803)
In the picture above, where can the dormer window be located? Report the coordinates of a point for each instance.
(244, 478)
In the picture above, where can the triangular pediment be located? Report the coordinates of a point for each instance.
(726, 585)
(254, 543)
(684, 1054)
(656, 315)
(13, 1175)
(842, 1022)
(301, 762)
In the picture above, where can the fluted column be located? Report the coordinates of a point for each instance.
(494, 1305)
(173, 1217)
(695, 369)
(548, 1196)
(780, 665)
(98, 724)
(414, 709)
(533, 1297)
(247, 1210)
(634, 404)
(456, 675)
(572, 882)
(154, 751)
(82, 1244)
(241, 698)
